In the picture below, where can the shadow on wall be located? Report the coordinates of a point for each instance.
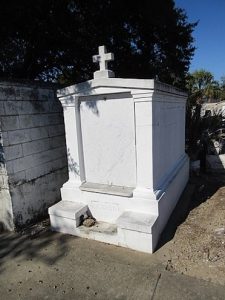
(84, 89)
(72, 164)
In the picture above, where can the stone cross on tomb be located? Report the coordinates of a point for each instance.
(103, 58)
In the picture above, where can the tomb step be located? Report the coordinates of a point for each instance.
(67, 210)
(65, 217)
(138, 231)
(137, 221)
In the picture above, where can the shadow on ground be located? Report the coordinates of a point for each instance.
(31, 244)
(199, 189)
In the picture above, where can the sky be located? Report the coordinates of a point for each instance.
(209, 34)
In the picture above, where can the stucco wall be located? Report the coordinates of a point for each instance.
(34, 149)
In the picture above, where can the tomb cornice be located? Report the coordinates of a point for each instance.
(111, 85)
(161, 96)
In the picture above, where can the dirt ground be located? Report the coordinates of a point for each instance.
(194, 241)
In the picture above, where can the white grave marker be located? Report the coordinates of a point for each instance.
(126, 158)
(102, 58)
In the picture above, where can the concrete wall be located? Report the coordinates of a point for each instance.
(33, 151)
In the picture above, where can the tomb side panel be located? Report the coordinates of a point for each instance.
(168, 136)
(144, 142)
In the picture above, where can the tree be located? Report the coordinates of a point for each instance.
(222, 87)
(55, 39)
(201, 88)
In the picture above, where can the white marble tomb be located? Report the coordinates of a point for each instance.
(126, 157)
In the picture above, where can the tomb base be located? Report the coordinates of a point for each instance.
(133, 230)
(131, 222)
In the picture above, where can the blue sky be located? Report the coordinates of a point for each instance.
(209, 34)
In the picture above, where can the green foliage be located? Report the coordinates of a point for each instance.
(201, 88)
(55, 39)
(222, 88)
